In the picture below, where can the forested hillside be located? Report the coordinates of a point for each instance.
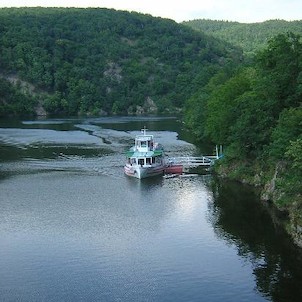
(249, 36)
(255, 111)
(100, 61)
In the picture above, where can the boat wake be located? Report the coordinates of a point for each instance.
(74, 146)
(110, 165)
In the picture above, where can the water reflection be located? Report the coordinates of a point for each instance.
(73, 226)
(242, 221)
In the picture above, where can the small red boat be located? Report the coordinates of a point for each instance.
(174, 168)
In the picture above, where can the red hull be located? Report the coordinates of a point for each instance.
(174, 169)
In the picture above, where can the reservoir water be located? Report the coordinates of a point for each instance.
(73, 227)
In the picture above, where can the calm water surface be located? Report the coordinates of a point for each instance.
(73, 227)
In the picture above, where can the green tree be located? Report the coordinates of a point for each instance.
(222, 106)
(289, 127)
(125, 57)
(294, 153)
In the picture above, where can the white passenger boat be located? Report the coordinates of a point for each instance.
(145, 158)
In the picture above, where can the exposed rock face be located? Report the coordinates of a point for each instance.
(40, 111)
(269, 191)
(294, 219)
(149, 107)
(26, 87)
(295, 226)
(114, 72)
(139, 110)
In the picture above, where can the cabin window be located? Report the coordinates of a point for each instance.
(143, 143)
(153, 160)
(148, 161)
(141, 161)
(133, 161)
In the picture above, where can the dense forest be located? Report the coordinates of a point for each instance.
(249, 36)
(101, 61)
(255, 110)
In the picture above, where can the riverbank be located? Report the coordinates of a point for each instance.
(276, 185)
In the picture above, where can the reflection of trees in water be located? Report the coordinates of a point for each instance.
(240, 219)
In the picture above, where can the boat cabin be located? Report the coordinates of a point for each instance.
(144, 143)
(143, 161)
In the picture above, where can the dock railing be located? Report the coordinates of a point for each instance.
(193, 161)
(197, 161)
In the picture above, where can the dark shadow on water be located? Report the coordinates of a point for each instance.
(238, 217)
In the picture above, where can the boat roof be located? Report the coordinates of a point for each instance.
(144, 154)
(143, 137)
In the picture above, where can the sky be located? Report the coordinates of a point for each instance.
(246, 11)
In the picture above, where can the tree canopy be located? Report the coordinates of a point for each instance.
(256, 110)
(101, 60)
(251, 37)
